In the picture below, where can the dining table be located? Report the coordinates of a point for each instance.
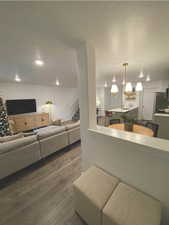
(139, 129)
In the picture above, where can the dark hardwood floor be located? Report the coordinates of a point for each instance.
(42, 194)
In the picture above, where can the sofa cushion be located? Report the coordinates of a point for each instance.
(129, 206)
(11, 138)
(74, 135)
(53, 143)
(18, 143)
(73, 125)
(50, 131)
(92, 190)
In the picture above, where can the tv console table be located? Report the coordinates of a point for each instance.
(29, 121)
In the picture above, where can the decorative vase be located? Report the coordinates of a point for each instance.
(128, 126)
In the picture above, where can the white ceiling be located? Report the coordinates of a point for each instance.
(133, 32)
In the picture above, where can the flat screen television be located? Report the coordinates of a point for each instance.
(20, 106)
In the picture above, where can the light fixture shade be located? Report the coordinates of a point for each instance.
(114, 89)
(105, 84)
(139, 86)
(148, 78)
(17, 78)
(128, 87)
(39, 62)
(114, 79)
(57, 83)
(141, 75)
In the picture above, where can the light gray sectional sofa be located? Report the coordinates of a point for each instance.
(20, 153)
(52, 139)
(73, 132)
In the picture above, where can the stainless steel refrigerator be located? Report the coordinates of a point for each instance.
(161, 102)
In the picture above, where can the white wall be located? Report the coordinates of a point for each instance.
(158, 86)
(100, 97)
(63, 98)
(112, 101)
(140, 165)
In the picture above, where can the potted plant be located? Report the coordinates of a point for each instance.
(128, 121)
(49, 103)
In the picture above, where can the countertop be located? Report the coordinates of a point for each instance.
(120, 110)
(162, 114)
(154, 143)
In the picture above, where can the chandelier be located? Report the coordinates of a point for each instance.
(128, 85)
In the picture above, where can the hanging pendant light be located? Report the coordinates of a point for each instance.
(114, 79)
(105, 84)
(148, 78)
(141, 75)
(17, 78)
(114, 89)
(57, 82)
(139, 86)
(128, 86)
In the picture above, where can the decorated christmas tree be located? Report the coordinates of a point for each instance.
(4, 124)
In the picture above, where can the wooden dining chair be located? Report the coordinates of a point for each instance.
(141, 122)
(108, 113)
(114, 121)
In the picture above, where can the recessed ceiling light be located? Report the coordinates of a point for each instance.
(17, 78)
(39, 62)
(57, 83)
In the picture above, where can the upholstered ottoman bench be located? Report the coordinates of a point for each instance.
(91, 192)
(127, 206)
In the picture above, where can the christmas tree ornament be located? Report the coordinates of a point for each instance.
(4, 124)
